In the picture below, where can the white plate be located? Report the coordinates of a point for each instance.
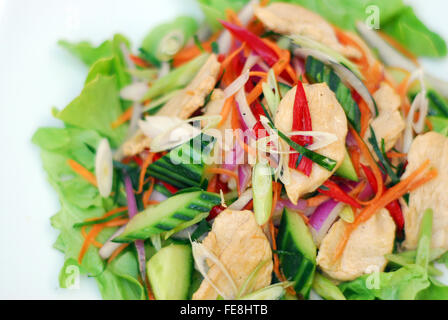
(35, 74)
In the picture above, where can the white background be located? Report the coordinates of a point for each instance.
(35, 75)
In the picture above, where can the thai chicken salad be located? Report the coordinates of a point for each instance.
(276, 150)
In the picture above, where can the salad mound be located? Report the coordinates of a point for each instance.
(277, 150)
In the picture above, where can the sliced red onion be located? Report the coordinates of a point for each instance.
(109, 246)
(236, 85)
(244, 176)
(242, 201)
(132, 211)
(247, 118)
(323, 218)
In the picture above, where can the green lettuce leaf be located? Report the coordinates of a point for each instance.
(120, 279)
(436, 291)
(415, 36)
(96, 108)
(403, 284)
(86, 52)
(396, 19)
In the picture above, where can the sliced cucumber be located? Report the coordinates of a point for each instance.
(326, 289)
(298, 261)
(170, 272)
(185, 166)
(262, 190)
(347, 170)
(284, 88)
(274, 292)
(168, 215)
(318, 72)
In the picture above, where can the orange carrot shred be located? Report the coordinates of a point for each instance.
(317, 200)
(96, 229)
(117, 252)
(123, 118)
(409, 184)
(228, 173)
(226, 111)
(373, 165)
(143, 170)
(148, 192)
(83, 172)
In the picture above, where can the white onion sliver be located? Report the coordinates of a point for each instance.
(389, 55)
(246, 113)
(351, 79)
(242, 201)
(247, 13)
(251, 61)
(236, 85)
(109, 246)
(104, 168)
(134, 92)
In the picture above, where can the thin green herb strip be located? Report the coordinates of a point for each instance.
(93, 222)
(324, 162)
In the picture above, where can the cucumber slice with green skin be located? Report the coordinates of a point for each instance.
(262, 191)
(326, 289)
(346, 170)
(318, 72)
(274, 292)
(284, 88)
(168, 215)
(185, 166)
(298, 261)
(170, 272)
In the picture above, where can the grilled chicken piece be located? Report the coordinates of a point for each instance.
(240, 244)
(291, 19)
(190, 99)
(365, 248)
(389, 125)
(136, 144)
(432, 146)
(327, 115)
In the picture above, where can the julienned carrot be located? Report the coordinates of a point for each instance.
(83, 172)
(278, 68)
(109, 213)
(96, 229)
(143, 170)
(399, 47)
(116, 223)
(317, 200)
(123, 118)
(277, 188)
(280, 52)
(365, 152)
(232, 17)
(365, 117)
(228, 173)
(94, 242)
(117, 252)
(212, 184)
(260, 74)
(191, 52)
(393, 154)
(226, 110)
(409, 184)
(230, 57)
(139, 61)
(148, 192)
